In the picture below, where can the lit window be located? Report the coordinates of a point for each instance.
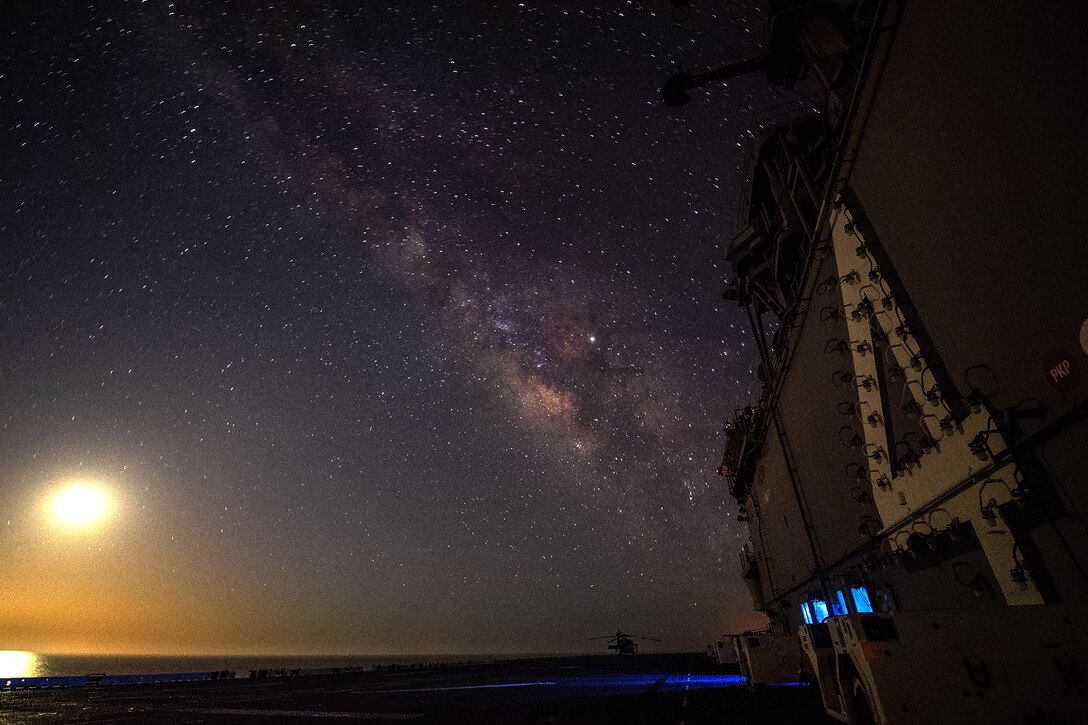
(819, 610)
(861, 599)
(838, 607)
(806, 612)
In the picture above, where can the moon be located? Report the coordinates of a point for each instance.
(80, 506)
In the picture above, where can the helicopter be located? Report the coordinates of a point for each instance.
(623, 643)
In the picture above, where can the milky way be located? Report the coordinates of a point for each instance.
(398, 328)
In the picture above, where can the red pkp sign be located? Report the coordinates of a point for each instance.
(1061, 371)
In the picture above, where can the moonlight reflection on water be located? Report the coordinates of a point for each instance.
(14, 663)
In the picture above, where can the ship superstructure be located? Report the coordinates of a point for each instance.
(912, 262)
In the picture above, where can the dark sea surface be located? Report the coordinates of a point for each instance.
(30, 664)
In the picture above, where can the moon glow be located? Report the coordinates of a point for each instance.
(79, 506)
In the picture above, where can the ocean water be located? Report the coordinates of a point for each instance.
(32, 664)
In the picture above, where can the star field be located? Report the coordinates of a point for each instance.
(396, 327)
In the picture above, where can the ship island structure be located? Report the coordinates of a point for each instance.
(911, 257)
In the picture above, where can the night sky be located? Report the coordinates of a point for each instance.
(389, 327)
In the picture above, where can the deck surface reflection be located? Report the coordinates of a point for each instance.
(646, 689)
